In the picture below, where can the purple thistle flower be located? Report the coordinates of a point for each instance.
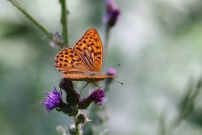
(53, 100)
(112, 13)
(96, 96)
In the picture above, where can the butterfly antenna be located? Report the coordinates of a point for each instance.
(83, 88)
(96, 84)
(118, 66)
(118, 82)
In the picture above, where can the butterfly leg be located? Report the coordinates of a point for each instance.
(83, 88)
(94, 83)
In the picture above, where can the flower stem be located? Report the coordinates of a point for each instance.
(31, 18)
(64, 21)
(78, 132)
(106, 42)
(78, 128)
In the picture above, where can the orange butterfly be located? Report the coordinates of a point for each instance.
(84, 61)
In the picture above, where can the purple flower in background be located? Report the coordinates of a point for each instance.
(53, 100)
(96, 96)
(111, 71)
(112, 13)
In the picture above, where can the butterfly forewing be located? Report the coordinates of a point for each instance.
(90, 49)
(68, 61)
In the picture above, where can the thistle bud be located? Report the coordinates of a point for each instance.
(72, 96)
(96, 96)
(82, 119)
(66, 84)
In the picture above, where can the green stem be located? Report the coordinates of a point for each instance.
(31, 18)
(174, 125)
(78, 132)
(162, 125)
(106, 44)
(64, 21)
(78, 128)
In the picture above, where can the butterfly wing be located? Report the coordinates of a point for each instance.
(86, 77)
(84, 61)
(68, 61)
(90, 50)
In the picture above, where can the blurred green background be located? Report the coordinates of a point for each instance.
(158, 44)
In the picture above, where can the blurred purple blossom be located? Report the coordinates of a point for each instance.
(112, 13)
(111, 71)
(52, 100)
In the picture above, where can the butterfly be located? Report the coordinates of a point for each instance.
(84, 61)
